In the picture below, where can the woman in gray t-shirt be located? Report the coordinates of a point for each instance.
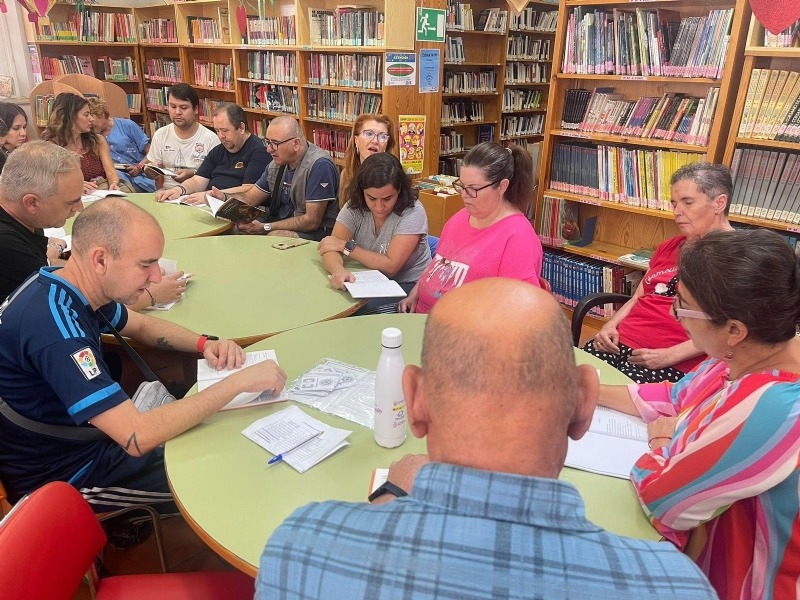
(382, 226)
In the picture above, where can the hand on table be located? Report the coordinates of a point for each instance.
(89, 187)
(263, 376)
(196, 199)
(402, 473)
(338, 279)
(607, 339)
(651, 358)
(163, 194)
(330, 244)
(169, 289)
(224, 354)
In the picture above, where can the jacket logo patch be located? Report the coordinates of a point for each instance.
(239, 165)
(86, 363)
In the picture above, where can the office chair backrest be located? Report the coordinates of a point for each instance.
(48, 542)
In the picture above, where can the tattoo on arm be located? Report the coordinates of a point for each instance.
(132, 442)
(163, 344)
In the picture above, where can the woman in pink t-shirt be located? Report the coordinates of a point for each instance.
(490, 236)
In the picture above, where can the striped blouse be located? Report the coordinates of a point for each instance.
(726, 489)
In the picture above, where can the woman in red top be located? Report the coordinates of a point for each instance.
(642, 339)
(70, 126)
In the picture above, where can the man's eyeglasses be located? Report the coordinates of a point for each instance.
(681, 313)
(370, 135)
(472, 192)
(274, 143)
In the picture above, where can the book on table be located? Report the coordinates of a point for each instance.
(208, 376)
(234, 210)
(374, 284)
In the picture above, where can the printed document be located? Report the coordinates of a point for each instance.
(374, 284)
(208, 376)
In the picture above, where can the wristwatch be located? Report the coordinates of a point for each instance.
(349, 246)
(389, 487)
(267, 227)
(201, 343)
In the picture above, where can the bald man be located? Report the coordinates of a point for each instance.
(52, 369)
(497, 398)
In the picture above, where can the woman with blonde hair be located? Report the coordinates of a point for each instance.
(70, 126)
(371, 134)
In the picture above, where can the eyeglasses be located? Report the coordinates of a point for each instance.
(274, 143)
(681, 313)
(370, 135)
(472, 192)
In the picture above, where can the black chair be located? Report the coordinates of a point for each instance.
(586, 304)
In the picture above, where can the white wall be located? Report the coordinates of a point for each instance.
(14, 57)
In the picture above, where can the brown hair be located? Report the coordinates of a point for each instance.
(61, 124)
(498, 163)
(352, 161)
(377, 171)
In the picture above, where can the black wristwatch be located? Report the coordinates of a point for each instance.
(389, 487)
(349, 246)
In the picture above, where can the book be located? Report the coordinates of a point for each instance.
(152, 171)
(299, 439)
(208, 376)
(234, 210)
(100, 194)
(374, 284)
(639, 259)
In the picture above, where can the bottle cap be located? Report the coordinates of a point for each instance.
(392, 337)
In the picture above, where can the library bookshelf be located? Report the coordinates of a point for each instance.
(764, 159)
(622, 185)
(267, 63)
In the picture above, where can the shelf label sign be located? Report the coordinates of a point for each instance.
(430, 24)
(401, 68)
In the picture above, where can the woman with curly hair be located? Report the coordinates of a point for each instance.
(371, 134)
(70, 126)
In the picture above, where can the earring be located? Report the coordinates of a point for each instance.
(729, 353)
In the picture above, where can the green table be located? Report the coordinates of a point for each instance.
(177, 220)
(245, 290)
(234, 501)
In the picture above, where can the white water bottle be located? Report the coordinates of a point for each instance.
(390, 403)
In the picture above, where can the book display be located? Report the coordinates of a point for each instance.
(636, 91)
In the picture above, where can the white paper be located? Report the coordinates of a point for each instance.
(214, 203)
(100, 194)
(178, 200)
(379, 477)
(374, 284)
(122, 166)
(208, 376)
(168, 265)
(58, 232)
(286, 429)
(613, 444)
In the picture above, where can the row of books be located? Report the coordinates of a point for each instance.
(522, 72)
(346, 70)
(522, 125)
(259, 127)
(163, 70)
(524, 47)
(271, 31)
(156, 98)
(673, 117)
(206, 108)
(203, 30)
(451, 142)
(158, 31)
(274, 98)
(486, 133)
(530, 19)
(89, 26)
(341, 106)
(134, 103)
(55, 66)
(772, 106)
(333, 140)
(347, 26)
(465, 82)
(516, 99)
(450, 165)
(766, 185)
(618, 174)
(788, 38)
(280, 67)
(646, 42)
(212, 74)
(43, 106)
(462, 111)
(573, 277)
(117, 69)
(159, 121)
(454, 50)
(492, 19)
(459, 16)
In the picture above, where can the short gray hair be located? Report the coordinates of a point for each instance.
(33, 168)
(713, 180)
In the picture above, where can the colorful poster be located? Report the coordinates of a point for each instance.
(412, 142)
(401, 68)
(429, 71)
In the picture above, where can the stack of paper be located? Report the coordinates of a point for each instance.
(296, 436)
(208, 376)
(374, 284)
(614, 442)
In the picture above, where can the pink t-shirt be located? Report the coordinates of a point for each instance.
(509, 248)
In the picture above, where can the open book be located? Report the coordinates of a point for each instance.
(374, 284)
(208, 376)
(100, 194)
(122, 166)
(234, 210)
(614, 442)
(153, 171)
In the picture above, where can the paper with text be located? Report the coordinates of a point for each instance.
(374, 284)
(208, 376)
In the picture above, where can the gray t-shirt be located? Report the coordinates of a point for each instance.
(413, 221)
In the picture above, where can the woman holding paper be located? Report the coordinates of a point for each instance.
(371, 134)
(70, 126)
(722, 478)
(382, 226)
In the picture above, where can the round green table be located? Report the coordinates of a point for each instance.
(245, 290)
(234, 500)
(176, 220)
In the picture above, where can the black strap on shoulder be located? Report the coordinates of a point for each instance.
(275, 195)
(64, 432)
(146, 371)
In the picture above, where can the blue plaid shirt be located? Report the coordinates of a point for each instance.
(465, 534)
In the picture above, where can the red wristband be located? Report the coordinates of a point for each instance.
(201, 343)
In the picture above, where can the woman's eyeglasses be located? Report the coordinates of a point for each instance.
(370, 135)
(681, 313)
(472, 192)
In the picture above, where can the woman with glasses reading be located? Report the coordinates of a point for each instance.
(722, 478)
(383, 226)
(490, 236)
(371, 134)
(642, 339)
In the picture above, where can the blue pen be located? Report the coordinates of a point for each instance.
(279, 457)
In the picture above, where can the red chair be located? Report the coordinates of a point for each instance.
(50, 540)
